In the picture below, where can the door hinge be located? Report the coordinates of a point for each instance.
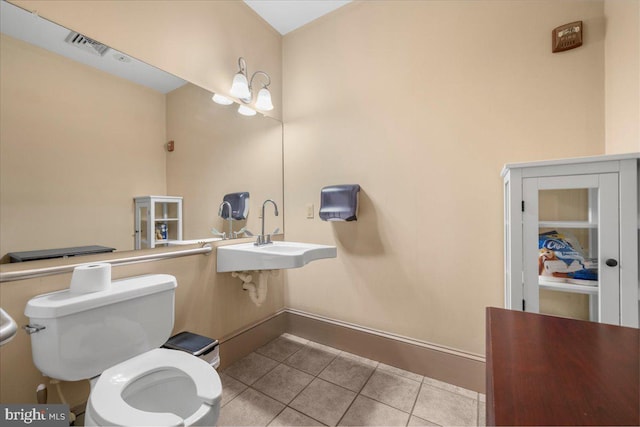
(524, 306)
(523, 206)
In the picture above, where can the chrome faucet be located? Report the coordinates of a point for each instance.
(229, 218)
(262, 238)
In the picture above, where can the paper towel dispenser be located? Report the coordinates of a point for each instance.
(239, 206)
(339, 202)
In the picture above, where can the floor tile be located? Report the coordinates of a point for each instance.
(290, 417)
(450, 387)
(283, 383)
(347, 372)
(230, 388)
(311, 359)
(257, 388)
(280, 348)
(394, 390)
(445, 408)
(250, 408)
(250, 368)
(323, 401)
(482, 414)
(368, 412)
(419, 422)
(401, 372)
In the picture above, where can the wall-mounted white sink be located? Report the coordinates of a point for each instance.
(274, 256)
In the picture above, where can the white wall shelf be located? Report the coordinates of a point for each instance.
(158, 221)
(567, 224)
(568, 286)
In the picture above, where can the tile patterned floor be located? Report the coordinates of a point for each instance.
(295, 382)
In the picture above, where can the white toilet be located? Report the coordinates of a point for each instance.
(112, 337)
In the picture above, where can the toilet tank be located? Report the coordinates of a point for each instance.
(85, 334)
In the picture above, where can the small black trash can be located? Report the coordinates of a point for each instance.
(205, 348)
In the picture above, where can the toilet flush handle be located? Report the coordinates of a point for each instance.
(33, 328)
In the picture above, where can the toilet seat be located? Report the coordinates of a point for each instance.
(108, 406)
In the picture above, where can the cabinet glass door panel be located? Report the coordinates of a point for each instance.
(142, 235)
(569, 230)
(567, 304)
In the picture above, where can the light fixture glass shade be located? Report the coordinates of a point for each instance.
(246, 111)
(221, 99)
(264, 100)
(240, 87)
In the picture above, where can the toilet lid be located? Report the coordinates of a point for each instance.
(106, 396)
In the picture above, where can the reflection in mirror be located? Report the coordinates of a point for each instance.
(217, 152)
(234, 207)
(78, 143)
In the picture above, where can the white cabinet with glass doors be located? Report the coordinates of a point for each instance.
(158, 220)
(571, 238)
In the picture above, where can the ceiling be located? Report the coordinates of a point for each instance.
(29, 27)
(283, 15)
(287, 15)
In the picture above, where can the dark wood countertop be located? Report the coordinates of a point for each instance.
(545, 370)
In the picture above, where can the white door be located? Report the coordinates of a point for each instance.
(571, 246)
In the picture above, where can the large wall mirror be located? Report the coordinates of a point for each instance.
(83, 133)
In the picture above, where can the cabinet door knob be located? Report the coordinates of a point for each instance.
(611, 262)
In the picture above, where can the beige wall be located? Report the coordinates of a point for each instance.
(622, 76)
(76, 145)
(421, 103)
(199, 41)
(218, 151)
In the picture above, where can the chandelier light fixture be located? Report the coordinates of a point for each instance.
(246, 111)
(221, 99)
(242, 89)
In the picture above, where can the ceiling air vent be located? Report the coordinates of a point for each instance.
(86, 44)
